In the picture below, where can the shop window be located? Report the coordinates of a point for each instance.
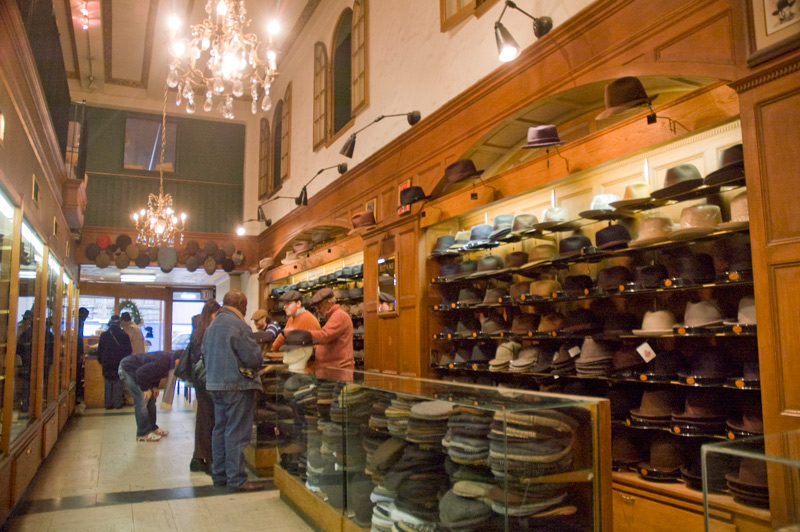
(152, 324)
(263, 159)
(143, 145)
(358, 65)
(342, 70)
(100, 311)
(320, 94)
(286, 127)
(277, 138)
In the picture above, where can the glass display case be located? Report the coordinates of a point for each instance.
(746, 468)
(6, 239)
(382, 450)
(51, 300)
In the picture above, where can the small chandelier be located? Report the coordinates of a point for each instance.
(159, 224)
(220, 58)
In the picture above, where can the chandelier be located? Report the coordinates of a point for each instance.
(159, 224)
(220, 58)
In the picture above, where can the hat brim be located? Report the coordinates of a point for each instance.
(286, 347)
(458, 179)
(289, 261)
(500, 233)
(732, 174)
(360, 228)
(636, 203)
(415, 200)
(614, 244)
(627, 106)
(651, 332)
(638, 243)
(732, 226)
(544, 143)
(596, 214)
(535, 263)
(677, 188)
(690, 232)
(739, 426)
(566, 226)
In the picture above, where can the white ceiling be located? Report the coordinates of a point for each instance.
(177, 277)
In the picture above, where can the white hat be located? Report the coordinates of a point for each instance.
(652, 230)
(701, 314)
(656, 322)
(740, 215)
(697, 220)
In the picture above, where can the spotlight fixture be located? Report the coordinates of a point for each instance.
(302, 199)
(260, 217)
(350, 144)
(507, 47)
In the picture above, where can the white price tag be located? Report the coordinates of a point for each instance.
(646, 352)
(575, 351)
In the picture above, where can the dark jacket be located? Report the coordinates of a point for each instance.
(147, 368)
(114, 345)
(227, 344)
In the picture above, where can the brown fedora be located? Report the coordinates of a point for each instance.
(361, 220)
(658, 404)
(132, 250)
(461, 170)
(192, 263)
(210, 265)
(122, 261)
(623, 94)
(167, 258)
(302, 245)
(143, 260)
(102, 260)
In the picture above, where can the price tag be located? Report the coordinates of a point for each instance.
(676, 429)
(475, 367)
(733, 276)
(621, 288)
(451, 366)
(681, 331)
(739, 383)
(737, 329)
(690, 380)
(643, 472)
(628, 422)
(586, 291)
(646, 352)
(642, 377)
(731, 436)
(554, 295)
(452, 305)
(668, 283)
(574, 351)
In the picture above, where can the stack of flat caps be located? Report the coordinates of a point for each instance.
(657, 407)
(378, 420)
(427, 423)
(506, 352)
(385, 456)
(398, 414)
(418, 478)
(525, 361)
(457, 513)
(466, 440)
(596, 358)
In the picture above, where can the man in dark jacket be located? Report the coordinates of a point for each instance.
(142, 373)
(114, 345)
(228, 345)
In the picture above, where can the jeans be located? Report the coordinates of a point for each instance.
(145, 412)
(114, 398)
(233, 427)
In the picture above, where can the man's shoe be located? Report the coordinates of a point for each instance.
(197, 465)
(249, 486)
(161, 432)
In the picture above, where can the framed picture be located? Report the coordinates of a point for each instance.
(371, 206)
(773, 28)
(400, 188)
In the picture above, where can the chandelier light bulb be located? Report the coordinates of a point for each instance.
(183, 216)
(178, 48)
(222, 8)
(174, 23)
(135, 216)
(273, 27)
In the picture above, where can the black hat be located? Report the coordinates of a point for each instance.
(297, 338)
(573, 245)
(651, 276)
(613, 236)
(610, 279)
(582, 320)
(697, 268)
(123, 241)
(228, 264)
(578, 283)
(412, 195)
(731, 168)
(679, 179)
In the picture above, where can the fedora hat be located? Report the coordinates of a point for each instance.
(697, 268)
(656, 323)
(123, 241)
(228, 248)
(523, 223)
(192, 247)
(542, 136)
(578, 284)
(167, 258)
(266, 262)
(544, 288)
(582, 321)
(92, 251)
(467, 267)
(701, 314)
(752, 474)
(461, 239)
(710, 364)
(487, 264)
(611, 279)
(447, 270)
(361, 220)
(443, 244)
(192, 263)
(731, 168)
(522, 324)
(296, 339)
(514, 260)
(551, 217)
(482, 353)
(469, 296)
(502, 226)
(550, 323)
(143, 260)
(658, 404)
(652, 230)
(600, 207)
(626, 451)
(697, 220)
(122, 261)
(613, 236)
(467, 326)
(493, 325)
(318, 237)
(740, 215)
(751, 420)
(636, 195)
(626, 359)
(747, 312)
(702, 405)
(479, 235)
(411, 195)
(573, 245)
(666, 366)
(623, 94)
(617, 323)
(228, 265)
(650, 276)
(494, 295)
(290, 258)
(301, 246)
(540, 254)
(517, 290)
(210, 265)
(102, 260)
(103, 240)
(678, 180)
(461, 170)
(666, 459)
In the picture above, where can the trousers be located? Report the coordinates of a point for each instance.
(233, 426)
(144, 411)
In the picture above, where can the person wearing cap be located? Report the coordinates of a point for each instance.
(142, 373)
(265, 332)
(299, 317)
(133, 332)
(334, 342)
(229, 346)
(113, 346)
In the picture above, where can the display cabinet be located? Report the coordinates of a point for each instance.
(361, 450)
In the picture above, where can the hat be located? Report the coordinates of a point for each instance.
(544, 288)
(542, 136)
(412, 195)
(488, 263)
(514, 260)
(479, 234)
(123, 241)
(517, 290)
(468, 295)
(666, 366)
(711, 363)
(624, 94)
(651, 276)
(466, 267)
(192, 263)
(210, 265)
(321, 295)
(493, 325)
(192, 247)
(551, 217)
(702, 405)
(362, 219)
(701, 314)
(697, 268)
(747, 312)
(460, 170)
(297, 338)
(258, 314)
(523, 223)
(752, 474)
(656, 322)
(731, 168)
(318, 237)
(219, 256)
(540, 254)
(266, 262)
(578, 284)
(102, 260)
(679, 179)
(447, 270)
(482, 353)
(697, 220)
(617, 323)
(227, 265)
(103, 241)
(600, 206)
(301, 246)
(740, 215)
(290, 258)
(582, 321)
(443, 243)
(613, 236)
(153, 252)
(92, 251)
(658, 404)
(143, 260)
(522, 324)
(228, 248)
(636, 195)
(114, 319)
(122, 261)
(461, 239)
(237, 257)
(610, 279)
(625, 450)
(550, 323)
(502, 226)
(653, 229)
(573, 245)
(626, 358)
(291, 295)
(210, 247)
(494, 295)
(467, 325)
(666, 458)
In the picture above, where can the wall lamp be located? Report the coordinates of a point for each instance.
(350, 144)
(507, 47)
(302, 199)
(260, 217)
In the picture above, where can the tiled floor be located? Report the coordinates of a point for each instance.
(99, 479)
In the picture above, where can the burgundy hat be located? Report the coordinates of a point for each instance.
(362, 219)
(703, 405)
(92, 251)
(623, 94)
(460, 170)
(542, 136)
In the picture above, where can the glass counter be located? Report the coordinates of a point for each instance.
(381, 449)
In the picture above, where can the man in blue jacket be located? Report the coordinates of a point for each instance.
(229, 351)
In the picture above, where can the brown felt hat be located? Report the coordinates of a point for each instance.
(362, 219)
(122, 261)
(623, 94)
(210, 265)
(132, 250)
(322, 295)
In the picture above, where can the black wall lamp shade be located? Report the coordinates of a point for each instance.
(350, 144)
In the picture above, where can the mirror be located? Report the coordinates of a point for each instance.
(387, 283)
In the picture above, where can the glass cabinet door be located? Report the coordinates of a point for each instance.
(66, 334)
(6, 238)
(51, 315)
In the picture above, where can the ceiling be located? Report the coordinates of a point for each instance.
(177, 277)
(123, 54)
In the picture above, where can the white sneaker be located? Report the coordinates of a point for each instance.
(150, 437)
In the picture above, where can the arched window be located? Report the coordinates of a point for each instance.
(286, 128)
(341, 71)
(320, 94)
(358, 51)
(263, 159)
(277, 137)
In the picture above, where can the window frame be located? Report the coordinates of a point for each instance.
(320, 96)
(265, 137)
(286, 135)
(359, 19)
(276, 123)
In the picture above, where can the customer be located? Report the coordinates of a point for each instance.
(204, 421)
(113, 346)
(142, 373)
(299, 317)
(83, 314)
(334, 342)
(228, 345)
(133, 332)
(265, 333)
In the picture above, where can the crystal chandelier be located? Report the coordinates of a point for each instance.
(158, 224)
(220, 58)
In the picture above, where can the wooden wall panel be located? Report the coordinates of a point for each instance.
(372, 352)
(408, 301)
(786, 360)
